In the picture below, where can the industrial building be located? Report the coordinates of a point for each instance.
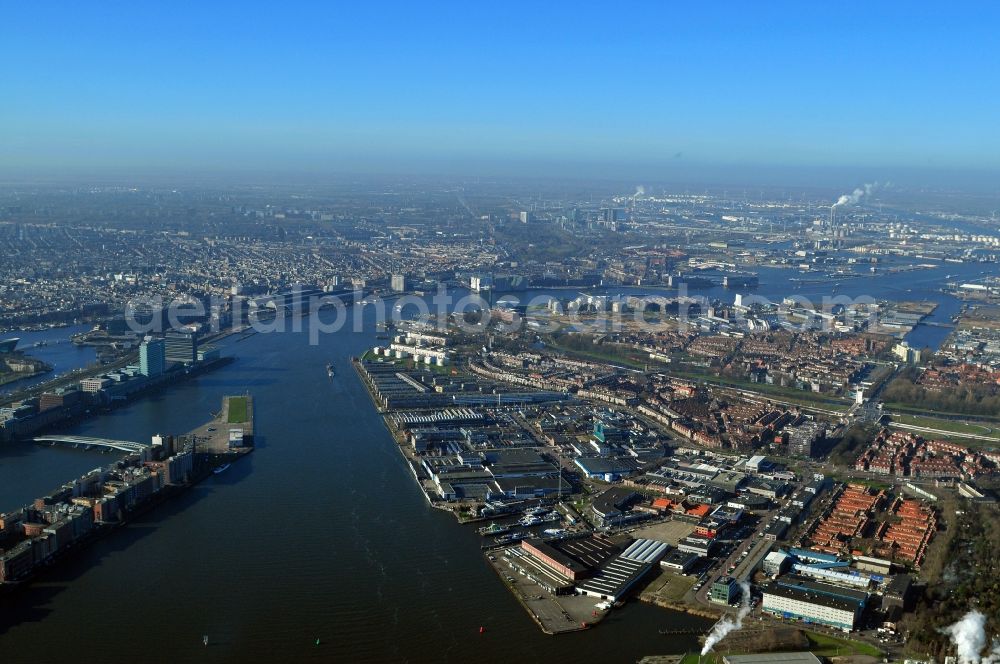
(573, 559)
(776, 562)
(698, 545)
(612, 505)
(773, 658)
(724, 590)
(606, 468)
(679, 561)
(795, 598)
(613, 581)
(899, 594)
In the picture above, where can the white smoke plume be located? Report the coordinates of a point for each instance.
(727, 624)
(855, 196)
(640, 190)
(969, 638)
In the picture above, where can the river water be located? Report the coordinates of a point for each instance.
(55, 348)
(322, 534)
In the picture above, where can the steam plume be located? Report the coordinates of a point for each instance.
(969, 638)
(640, 190)
(855, 196)
(727, 624)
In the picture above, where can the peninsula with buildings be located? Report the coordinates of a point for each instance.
(58, 524)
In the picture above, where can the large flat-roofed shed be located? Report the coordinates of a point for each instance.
(573, 558)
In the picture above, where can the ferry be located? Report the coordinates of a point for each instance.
(221, 469)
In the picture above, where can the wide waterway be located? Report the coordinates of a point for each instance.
(56, 349)
(322, 534)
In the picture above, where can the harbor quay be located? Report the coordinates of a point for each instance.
(39, 535)
(472, 454)
(591, 484)
(54, 406)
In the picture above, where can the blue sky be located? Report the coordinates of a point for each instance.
(488, 86)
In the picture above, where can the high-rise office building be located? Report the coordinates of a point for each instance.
(152, 357)
(181, 346)
(398, 283)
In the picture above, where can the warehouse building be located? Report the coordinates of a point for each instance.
(613, 581)
(776, 563)
(810, 601)
(573, 559)
(773, 658)
(679, 561)
(700, 546)
(611, 506)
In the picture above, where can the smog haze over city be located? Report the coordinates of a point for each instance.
(648, 332)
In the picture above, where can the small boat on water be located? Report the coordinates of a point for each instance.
(494, 529)
(221, 469)
(329, 370)
(513, 537)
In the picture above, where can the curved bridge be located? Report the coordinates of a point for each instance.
(76, 441)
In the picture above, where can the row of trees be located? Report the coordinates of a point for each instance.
(969, 581)
(963, 399)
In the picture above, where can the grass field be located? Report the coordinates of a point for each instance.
(602, 356)
(237, 410)
(669, 587)
(955, 426)
(896, 406)
(775, 391)
(824, 645)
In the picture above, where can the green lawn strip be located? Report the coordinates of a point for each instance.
(824, 645)
(955, 426)
(237, 410)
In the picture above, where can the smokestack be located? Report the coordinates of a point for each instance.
(833, 209)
